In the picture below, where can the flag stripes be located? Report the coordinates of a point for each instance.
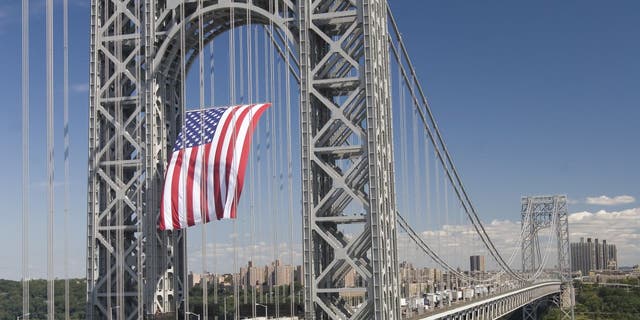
(205, 175)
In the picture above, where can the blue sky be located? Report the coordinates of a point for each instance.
(532, 98)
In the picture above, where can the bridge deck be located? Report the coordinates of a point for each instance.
(462, 306)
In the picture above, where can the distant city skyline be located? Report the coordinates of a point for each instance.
(534, 98)
(593, 256)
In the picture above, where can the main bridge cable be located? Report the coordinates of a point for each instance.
(425, 248)
(477, 225)
(448, 164)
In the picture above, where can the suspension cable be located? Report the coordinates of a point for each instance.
(273, 157)
(403, 156)
(50, 160)
(183, 120)
(25, 159)
(212, 102)
(289, 165)
(416, 181)
(204, 218)
(450, 172)
(248, 282)
(447, 163)
(232, 94)
(65, 67)
(141, 99)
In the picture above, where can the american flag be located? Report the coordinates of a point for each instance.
(207, 167)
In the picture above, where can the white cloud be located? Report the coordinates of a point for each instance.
(606, 201)
(5, 18)
(621, 228)
(80, 87)
(572, 201)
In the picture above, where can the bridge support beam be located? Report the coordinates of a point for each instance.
(346, 105)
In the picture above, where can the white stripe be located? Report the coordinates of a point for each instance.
(229, 135)
(167, 192)
(237, 156)
(197, 184)
(223, 156)
(182, 191)
(214, 146)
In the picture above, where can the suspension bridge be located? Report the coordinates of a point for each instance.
(349, 175)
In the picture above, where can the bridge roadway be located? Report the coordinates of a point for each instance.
(493, 306)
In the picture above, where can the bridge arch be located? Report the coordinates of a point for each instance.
(216, 21)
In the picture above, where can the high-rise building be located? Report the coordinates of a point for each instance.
(476, 264)
(591, 256)
(299, 275)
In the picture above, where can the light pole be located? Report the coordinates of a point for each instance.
(266, 313)
(111, 313)
(194, 314)
(22, 316)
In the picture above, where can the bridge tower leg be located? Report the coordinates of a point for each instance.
(132, 269)
(538, 213)
(347, 159)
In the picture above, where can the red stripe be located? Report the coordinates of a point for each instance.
(204, 200)
(231, 154)
(216, 171)
(245, 155)
(191, 167)
(175, 183)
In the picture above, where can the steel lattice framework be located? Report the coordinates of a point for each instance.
(540, 212)
(135, 108)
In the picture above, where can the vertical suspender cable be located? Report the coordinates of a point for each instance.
(25, 159)
(436, 180)
(183, 103)
(289, 163)
(416, 165)
(427, 189)
(276, 163)
(232, 97)
(403, 156)
(243, 100)
(446, 211)
(204, 219)
(252, 231)
(212, 83)
(212, 102)
(141, 98)
(278, 180)
(50, 160)
(273, 154)
(256, 71)
(65, 26)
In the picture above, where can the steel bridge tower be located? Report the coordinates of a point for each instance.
(540, 212)
(345, 107)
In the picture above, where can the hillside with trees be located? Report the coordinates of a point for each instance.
(11, 299)
(604, 303)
